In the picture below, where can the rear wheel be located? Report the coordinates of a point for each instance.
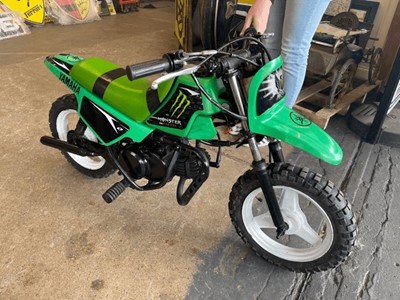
(63, 118)
(321, 225)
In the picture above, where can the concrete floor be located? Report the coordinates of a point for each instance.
(60, 240)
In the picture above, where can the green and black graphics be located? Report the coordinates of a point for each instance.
(270, 91)
(179, 109)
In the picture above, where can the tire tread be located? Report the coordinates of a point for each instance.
(310, 182)
(64, 102)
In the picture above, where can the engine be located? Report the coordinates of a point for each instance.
(148, 161)
(159, 161)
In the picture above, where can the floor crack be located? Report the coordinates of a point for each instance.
(369, 277)
(299, 286)
(345, 182)
(264, 287)
(338, 280)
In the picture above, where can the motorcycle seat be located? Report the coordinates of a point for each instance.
(109, 82)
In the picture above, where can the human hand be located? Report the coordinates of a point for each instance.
(257, 16)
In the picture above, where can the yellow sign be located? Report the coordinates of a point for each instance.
(83, 7)
(180, 16)
(31, 10)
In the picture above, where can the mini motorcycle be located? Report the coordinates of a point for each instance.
(117, 119)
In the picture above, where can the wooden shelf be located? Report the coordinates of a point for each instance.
(321, 116)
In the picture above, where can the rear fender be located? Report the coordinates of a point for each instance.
(108, 123)
(283, 123)
(61, 63)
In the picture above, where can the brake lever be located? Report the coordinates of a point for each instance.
(202, 53)
(168, 76)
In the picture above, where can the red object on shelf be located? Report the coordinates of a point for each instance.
(124, 2)
(128, 5)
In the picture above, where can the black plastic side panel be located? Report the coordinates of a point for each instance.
(105, 125)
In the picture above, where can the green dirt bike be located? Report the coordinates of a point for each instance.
(152, 131)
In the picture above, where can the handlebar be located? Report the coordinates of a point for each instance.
(168, 63)
(172, 62)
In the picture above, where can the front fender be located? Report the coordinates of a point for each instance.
(283, 123)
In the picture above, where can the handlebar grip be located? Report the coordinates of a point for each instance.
(250, 31)
(151, 67)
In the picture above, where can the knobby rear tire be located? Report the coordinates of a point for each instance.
(61, 110)
(335, 233)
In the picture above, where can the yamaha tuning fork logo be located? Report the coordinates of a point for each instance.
(299, 119)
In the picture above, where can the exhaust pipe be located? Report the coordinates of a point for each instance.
(65, 146)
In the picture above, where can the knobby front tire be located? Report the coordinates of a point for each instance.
(321, 225)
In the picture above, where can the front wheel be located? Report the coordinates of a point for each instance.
(63, 118)
(321, 225)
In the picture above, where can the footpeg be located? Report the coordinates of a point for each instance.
(115, 191)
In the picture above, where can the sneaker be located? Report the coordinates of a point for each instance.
(264, 142)
(235, 130)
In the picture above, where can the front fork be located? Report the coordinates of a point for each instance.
(259, 164)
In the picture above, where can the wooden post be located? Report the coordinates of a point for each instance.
(392, 43)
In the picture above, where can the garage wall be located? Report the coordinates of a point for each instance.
(383, 20)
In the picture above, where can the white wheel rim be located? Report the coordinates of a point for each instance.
(63, 125)
(315, 239)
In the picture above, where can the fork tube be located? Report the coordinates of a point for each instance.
(275, 149)
(259, 164)
(238, 94)
(240, 99)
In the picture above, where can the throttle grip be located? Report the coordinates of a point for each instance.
(135, 71)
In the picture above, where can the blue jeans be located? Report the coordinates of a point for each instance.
(294, 23)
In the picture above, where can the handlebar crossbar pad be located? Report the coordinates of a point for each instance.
(135, 71)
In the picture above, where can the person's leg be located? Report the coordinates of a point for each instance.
(275, 26)
(301, 21)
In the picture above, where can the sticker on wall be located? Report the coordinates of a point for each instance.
(31, 10)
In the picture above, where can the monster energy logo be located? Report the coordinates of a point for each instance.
(168, 121)
(180, 105)
(180, 108)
